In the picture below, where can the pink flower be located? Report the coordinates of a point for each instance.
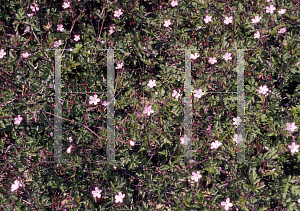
(57, 43)
(76, 37)
(94, 100)
(208, 19)
(69, 149)
(2, 53)
(256, 19)
(212, 60)
(18, 120)
(237, 120)
(118, 13)
(291, 126)
(97, 193)
(151, 83)
(60, 27)
(70, 139)
(227, 56)
(294, 147)
(104, 103)
(148, 110)
(185, 140)
(267, 148)
(51, 134)
(226, 204)
(282, 30)
(120, 66)
(111, 30)
(174, 3)
(119, 198)
(30, 14)
(167, 23)
(228, 20)
(199, 93)
(176, 94)
(66, 5)
(131, 143)
(34, 7)
(263, 90)
(238, 138)
(256, 35)
(215, 145)
(196, 176)
(194, 56)
(16, 185)
(25, 55)
(282, 11)
(270, 9)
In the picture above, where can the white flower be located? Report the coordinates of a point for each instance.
(30, 14)
(120, 66)
(256, 19)
(215, 145)
(25, 55)
(66, 5)
(270, 9)
(60, 27)
(104, 103)
(196, 176)
(185, 140)
(34, 7)
(57, 43)
(199, 93)
(282, 30)
(119, 198)
(282, 11)
(111, 30)
(167, 23)
(97, 193)
(156, 93)
(237, 120)
(227, 56)
(226, 204)
(118, 13)
(291, 126)
(263, 90)
(131, 143)
(238, 138)
(212, 60)
(208, 19)
(294, 147)
(269, 0)
(76, 37)
(16, 185)
(176, 94)
(69, 149)
(256, 35)
(148, 110)
(194, 56)
(151, 83)
(228, 20)
(299, 201)
(70, 139)
(2, 53)
(94, 100)
(174, 3)
(18, 120)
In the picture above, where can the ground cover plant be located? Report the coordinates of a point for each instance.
(149, 105)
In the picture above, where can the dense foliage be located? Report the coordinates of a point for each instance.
(150, 171)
